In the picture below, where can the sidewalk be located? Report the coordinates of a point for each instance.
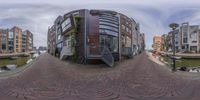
(154, 58)
(187, 75)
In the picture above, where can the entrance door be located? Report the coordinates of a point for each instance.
(94, 44)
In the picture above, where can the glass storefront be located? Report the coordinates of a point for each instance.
(110, 41)
(109, 32)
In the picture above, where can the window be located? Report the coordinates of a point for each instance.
(59, 45)
(127, 30)
(108, 32)
(66, 24)
(108, 27)
(123, 27)
(108, 23)
(76, 14)
(10, 35)
(68, 42)
(110, 41)
(126, 22)
(10, 48)
(59, 37)
(184, 40)
(128, 42)
(194, 41)
(109, 18)
(10, 42)
(3, 46)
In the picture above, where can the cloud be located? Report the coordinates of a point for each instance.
(154, 16)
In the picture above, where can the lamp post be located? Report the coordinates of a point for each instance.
(173, 26)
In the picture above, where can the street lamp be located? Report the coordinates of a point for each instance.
(173, 26)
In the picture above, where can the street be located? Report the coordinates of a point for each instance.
(135, 79)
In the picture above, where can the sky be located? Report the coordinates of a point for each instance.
(154, 16)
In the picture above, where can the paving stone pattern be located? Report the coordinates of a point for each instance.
(135, 79)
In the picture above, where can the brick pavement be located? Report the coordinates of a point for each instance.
(135, 79)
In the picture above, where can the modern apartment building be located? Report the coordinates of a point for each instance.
(186, 39)
(17, 33)
(3, 40)
(177, 41)
(189, 37)
(27, 41)
(87, 35)
(52, 40)
(58, 35)
(15, 41)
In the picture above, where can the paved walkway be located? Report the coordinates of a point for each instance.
(135, 79)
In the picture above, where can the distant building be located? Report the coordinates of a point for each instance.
(27, 41)
(15, 41)
(186, 39)
(58, 35)
(164, 42)
(177, 41)
(35, 49)
(142, 41)
(157, 43)
(52, 40)
(42, 48)
(189, 37)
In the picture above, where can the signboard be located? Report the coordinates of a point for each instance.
(67, 24)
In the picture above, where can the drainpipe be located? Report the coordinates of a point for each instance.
(85, 34)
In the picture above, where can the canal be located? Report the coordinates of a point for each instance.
(183, 62)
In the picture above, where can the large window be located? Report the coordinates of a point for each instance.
(3, 46)
(108, 23)
(184, 40)
(108, 27)
(109, 18)
(68, 42)
(66, 24)
(10, 35)
(110, 41)
(108, 32)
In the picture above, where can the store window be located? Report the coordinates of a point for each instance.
(110, 41)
